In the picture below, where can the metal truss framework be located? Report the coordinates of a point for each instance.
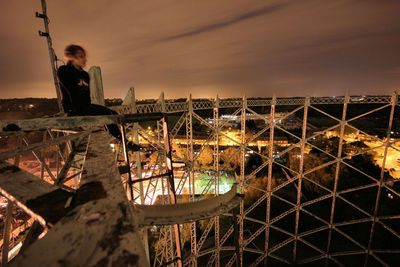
(70, 157)
(297, 239)
(58, 159)
(69, 149)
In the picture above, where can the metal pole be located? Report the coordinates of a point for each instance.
(269, 181)
(241, 182)
(189, 129)
(126, 156)
(170, 170)
(236, 237)
(136, 136)
(51, 51)
(342, 128)
(301, 168)
(216, 178)
(144, 234)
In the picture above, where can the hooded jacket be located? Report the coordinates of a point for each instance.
(75, 91)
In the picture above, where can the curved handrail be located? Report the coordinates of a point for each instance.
(187, 212)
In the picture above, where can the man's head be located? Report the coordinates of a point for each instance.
(77, 54)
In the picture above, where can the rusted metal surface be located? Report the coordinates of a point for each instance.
(102, 232)
(83, 122)
(21, 187)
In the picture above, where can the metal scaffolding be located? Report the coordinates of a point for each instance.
(297, 240)
(294, 221)
(280, 220)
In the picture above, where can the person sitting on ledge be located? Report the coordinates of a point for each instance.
(75, 91)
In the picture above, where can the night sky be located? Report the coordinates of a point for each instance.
(257, 48)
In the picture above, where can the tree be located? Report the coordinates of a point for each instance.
(180, 152)
(206, 157)
(252, 163)
(230, 155)
(258, 183)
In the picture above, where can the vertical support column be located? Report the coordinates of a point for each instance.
(189, 140)
(343, 123)
(167, 191)
(171, 183)
(382, 175)
(301, 168)
(242, 169)
(126, 156)
(160, 136)
(216, 178)
(136, 137)
(161, 100)
(236, 237)
(269, 182)
(162, 139)
(96, 86)
(167, 252)
(143, 232)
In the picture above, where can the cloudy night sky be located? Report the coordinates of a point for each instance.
(230, 48)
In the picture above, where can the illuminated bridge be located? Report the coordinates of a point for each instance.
(330, 197)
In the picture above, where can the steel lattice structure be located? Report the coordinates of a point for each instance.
(297, 225)
(289, 215)
(297, 246)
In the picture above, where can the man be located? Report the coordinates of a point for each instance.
(75, 91)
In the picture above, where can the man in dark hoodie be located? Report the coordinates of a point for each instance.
(75, 91)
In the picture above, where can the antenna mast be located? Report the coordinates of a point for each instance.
(52, 54)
